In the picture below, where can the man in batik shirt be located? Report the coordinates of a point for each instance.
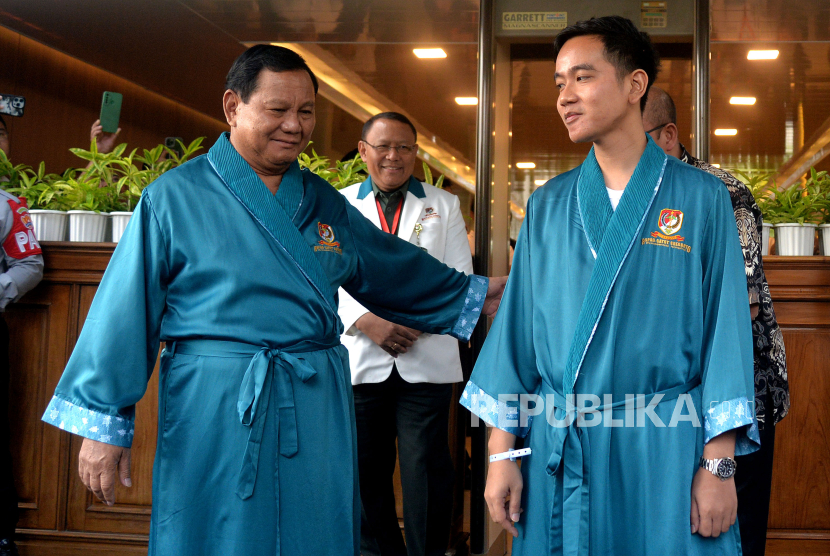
(772, 398)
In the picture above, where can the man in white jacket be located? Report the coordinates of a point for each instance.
(402, 378)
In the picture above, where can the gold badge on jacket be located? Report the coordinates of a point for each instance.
(418, 230)
(327, 242)
(669, 223)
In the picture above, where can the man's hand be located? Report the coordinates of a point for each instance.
(106, 141)
(100, 465)
(494, 292)
(503, 494)
(714, 504)
(394, 339)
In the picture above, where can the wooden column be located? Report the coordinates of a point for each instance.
(799, 519)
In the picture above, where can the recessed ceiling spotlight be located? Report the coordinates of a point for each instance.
(762, 55)
(429, 52)
(526, 165)
(727, 132)
(540, 182)
(746, 101)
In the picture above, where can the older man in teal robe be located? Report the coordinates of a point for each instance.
(622, 350)
(238, 273)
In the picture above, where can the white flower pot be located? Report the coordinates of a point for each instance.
(86, 225)
(50, 225)
(119, 223)
(824, 239)
(795, 240)
(765, 229)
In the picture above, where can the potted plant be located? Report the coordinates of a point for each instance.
(46, 198)
(341, 176)
(92, 202)
(795, 213)
(48, 201)
(112, 183)
(821, 181)
(132, 180)
(439, 183)
(348, 173)
(92, 191)
(762, 188)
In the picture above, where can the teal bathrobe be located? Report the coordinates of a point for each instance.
(256, 445)
(649, 301)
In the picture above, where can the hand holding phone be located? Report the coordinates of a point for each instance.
(105, 141)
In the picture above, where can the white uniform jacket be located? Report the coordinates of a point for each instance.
(433, 358)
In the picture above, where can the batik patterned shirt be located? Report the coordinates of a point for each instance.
(768, 342)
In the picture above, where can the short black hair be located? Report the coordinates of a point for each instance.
(244, 73)
(626, 47)
(397, 116)
(661, 108)
(2, 121)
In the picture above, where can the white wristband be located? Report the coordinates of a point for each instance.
(510, 454)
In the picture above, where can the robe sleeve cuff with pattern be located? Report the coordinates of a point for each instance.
(733, 414)
(495, 412)
(473, 304)
(89, 423)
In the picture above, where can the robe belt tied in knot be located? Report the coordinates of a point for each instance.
(569, 525)
(267, 365)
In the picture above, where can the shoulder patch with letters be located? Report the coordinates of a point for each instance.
(21, 241)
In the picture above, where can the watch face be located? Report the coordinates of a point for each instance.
(726, 468)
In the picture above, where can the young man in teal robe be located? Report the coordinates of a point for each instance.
(639, 310)
(234, 260)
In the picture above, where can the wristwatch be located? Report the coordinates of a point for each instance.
(722, 468)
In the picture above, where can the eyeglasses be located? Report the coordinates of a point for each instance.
(401, 149)
(658, 127)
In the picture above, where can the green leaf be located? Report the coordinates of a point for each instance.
(427, 174)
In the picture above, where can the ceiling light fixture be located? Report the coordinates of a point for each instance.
(727, 132)
(540, 182)
(526, 165)
(466, 101)
(746, 101)
(429, 52)
(762, 55)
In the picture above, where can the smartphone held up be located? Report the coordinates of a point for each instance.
(110, 111)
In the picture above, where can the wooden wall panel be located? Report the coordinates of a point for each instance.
(802, 439)
(799, 520)
(63, 98)
(163, 46)
(59, 517)
(798, 547)
(38, 347)
(131, 514)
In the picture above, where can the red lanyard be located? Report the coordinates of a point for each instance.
(383, 223)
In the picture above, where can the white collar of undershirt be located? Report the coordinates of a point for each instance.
(614, 195)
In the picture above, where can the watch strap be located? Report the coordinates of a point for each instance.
(713, 465)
